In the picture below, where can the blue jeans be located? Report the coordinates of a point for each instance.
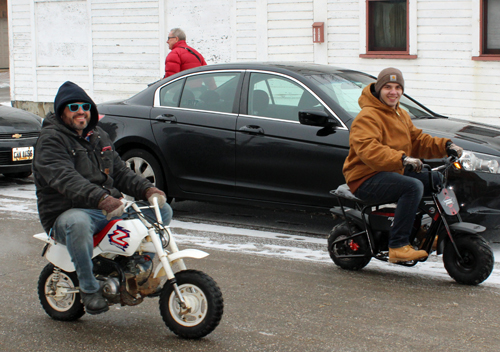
(76, 227)
(405, 190)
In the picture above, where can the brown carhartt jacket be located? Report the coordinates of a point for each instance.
(379, 137)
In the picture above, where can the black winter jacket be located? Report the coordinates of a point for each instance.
(71, 171)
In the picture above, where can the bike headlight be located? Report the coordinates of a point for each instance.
(480, 162)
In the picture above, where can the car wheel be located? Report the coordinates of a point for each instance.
(145, 165)
(18, 174)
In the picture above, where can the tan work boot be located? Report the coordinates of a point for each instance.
(405, 254)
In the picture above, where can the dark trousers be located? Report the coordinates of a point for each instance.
(405, 190)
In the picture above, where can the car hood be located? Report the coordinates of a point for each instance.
(17, 120)
(473, 136)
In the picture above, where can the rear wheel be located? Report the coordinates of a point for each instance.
(58, 294)
(477, 259)
(339, 245)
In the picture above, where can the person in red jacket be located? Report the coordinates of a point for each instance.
(182, 56)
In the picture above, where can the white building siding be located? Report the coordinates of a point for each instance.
(208, 27)
(126, 45)
(61, 45)
(246, 30)
(21, 50)
(342, 29)
(290, 30)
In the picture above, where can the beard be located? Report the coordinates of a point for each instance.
(79, 126)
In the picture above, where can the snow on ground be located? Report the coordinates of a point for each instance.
(22, 199)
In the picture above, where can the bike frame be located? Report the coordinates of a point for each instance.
(430, 205)
(57, 253)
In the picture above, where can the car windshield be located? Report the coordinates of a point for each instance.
(345, 89)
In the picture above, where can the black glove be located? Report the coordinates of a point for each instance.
(414, 163)
(453, 149)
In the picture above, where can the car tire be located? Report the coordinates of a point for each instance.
(18, 174)
(145, 165)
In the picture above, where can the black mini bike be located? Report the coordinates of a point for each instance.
(364, 233)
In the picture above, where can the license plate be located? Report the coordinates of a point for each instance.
(20, 154)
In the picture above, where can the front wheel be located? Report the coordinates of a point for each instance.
(204, 297)
(477, 259)
(340, 248)
(58, 294)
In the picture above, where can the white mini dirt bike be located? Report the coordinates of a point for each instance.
(191, 303)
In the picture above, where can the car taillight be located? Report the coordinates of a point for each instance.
(101, 116)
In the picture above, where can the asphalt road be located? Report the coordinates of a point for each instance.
(271, 303)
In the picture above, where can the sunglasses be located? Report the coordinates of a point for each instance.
(76, 107)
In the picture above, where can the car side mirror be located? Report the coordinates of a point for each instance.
(316, 118)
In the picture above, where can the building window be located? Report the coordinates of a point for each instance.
(387, 25)
(390, 27)
(491, 27)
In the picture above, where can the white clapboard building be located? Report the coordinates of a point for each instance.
(449, 51)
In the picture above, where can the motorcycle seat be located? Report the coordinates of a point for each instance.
(343, 191)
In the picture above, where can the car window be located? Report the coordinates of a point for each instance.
(171, 93)
(278, 97)
(212, 92)
(345, 89)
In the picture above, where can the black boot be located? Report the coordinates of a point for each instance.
(94, 303)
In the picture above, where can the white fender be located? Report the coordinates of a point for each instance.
(56, 253)
(185, 253)
(43, 237)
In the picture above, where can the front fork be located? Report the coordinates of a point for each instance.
(155, 238)
(447, 227)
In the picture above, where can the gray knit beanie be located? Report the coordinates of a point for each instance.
(389, 75)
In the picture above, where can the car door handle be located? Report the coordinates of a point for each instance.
(252, 129)
(166, 118)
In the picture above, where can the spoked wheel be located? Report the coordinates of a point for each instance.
(476, 263)
(56, 291)
(339, 245)
(204, 297)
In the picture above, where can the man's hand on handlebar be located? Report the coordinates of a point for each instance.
(414, 163)
(453, 149)
(111, 207)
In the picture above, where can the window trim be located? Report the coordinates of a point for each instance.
(156, 99)
(411, 30)
(483, 37)
(250, 71)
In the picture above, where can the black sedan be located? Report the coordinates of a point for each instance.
(276, 134)
(19, 131)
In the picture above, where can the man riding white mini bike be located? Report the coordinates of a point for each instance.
(79, 180)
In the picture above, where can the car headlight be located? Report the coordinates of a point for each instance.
(480, 162)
